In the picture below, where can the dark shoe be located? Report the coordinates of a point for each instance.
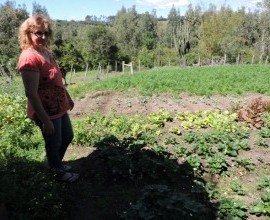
(67, 167)
(64, 168)
(68, 177)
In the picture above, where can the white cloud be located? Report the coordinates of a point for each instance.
(252, 2)
(233, 3)
(162, 4)
(167, 4)
(245, 2)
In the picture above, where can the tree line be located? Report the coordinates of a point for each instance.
(195, 37)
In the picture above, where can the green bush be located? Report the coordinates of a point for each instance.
(27, 191)
(16, 129)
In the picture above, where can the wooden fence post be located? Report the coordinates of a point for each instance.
(71, 70)
(98, 71)
(131, 68)
(123, 66)
(86, 70)
(238, 58)
(266, 60)
(260, 59)
(107, 69)
(130, 65)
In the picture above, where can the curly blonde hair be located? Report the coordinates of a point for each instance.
(31, 25)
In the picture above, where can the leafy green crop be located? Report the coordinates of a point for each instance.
(16, 129)
(224, 121)
(237, 186)
(264, 183)
(230, 209)
(159, 202)
(217, 164)
(262, 207)
(160, 118)
(245, 163)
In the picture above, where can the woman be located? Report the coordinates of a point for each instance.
(47, 99)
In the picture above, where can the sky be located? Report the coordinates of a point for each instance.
(79, 9)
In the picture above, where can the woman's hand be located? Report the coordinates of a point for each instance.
(48, 128)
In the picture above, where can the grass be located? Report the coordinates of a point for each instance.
(222, 80)
(204, 81)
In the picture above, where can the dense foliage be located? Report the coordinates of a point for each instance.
(213, 35)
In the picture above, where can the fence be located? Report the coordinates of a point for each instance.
(103, 72)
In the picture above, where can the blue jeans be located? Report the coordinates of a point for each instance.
(57, 144)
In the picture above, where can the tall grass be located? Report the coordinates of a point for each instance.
(223, 80)
(212, 80)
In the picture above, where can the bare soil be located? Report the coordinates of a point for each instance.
(91, 198)
(131, 103)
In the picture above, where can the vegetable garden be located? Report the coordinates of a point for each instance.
(203, 164)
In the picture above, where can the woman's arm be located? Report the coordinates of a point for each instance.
(31, 81)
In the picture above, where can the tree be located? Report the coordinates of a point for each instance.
(67, 56)
(100, 47)
(232, 29)
(194, 18)
(221, 32)
(38, 9)
(264, 29)
(126, 32)
(10, 19)
(180, 30)
(147, 31)
(173, 21)
(239, 43)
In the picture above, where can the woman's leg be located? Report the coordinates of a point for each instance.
(67, 135)
(53, 143)
(56, 144)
